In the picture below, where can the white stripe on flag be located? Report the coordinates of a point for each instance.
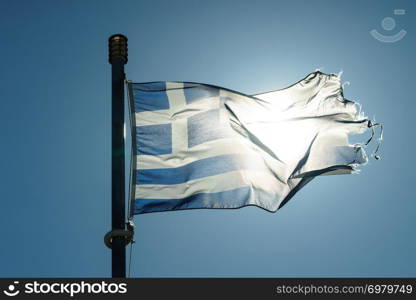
(179, 112)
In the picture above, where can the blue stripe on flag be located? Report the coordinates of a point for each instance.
(194, 92)
(154, 139)
(205, 126)
(198, 169)
(150, 96)
(150, 86)
(227, 199)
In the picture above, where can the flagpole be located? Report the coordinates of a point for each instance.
(118, 58)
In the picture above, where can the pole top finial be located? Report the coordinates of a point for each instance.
(117, 48)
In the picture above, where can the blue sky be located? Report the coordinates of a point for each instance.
(56, 143)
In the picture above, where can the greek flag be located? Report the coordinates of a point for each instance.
(202, 146)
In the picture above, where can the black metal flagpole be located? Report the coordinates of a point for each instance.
(118, 58)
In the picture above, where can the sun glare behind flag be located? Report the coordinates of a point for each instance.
(202, 146)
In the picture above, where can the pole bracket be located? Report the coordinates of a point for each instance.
(127, 234)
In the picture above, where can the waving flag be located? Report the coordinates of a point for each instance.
(203, 146)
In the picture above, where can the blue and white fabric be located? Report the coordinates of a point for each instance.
(203, 146)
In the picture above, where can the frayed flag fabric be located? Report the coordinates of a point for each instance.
(202, 146)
